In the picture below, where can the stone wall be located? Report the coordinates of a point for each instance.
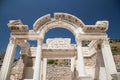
(58, 73)
(90, 61)
(17, 70)
(117, 61)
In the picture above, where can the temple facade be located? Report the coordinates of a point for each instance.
(91, 62)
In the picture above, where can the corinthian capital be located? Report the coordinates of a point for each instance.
(12, 40)
(106, 41)
(40, 41)
(78, 40)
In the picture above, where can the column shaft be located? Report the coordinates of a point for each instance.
(8, 60)
(44, 68)
(72, 64)
(72, 68)
(41, 72)
(37, 68)
(108, 60)
(100, 72)
(81, 67)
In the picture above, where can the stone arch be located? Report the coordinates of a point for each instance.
(20, 33)
(62, 20)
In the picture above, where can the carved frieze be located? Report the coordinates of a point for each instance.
(70, 18)
(99, 27)
(41, 21)
(58, 43)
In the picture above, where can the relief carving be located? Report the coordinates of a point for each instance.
(58, 43)
(102, 25)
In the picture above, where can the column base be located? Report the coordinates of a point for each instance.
(85, 78)
(116, 76)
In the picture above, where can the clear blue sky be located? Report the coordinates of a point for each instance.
(89, 11)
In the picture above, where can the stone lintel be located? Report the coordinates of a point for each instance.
(82, 36)
(85, 78)
(92, 36)
(116, 76)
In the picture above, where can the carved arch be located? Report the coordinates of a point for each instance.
(62, 20)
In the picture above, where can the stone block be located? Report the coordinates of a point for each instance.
(116, 76)
(85, 78)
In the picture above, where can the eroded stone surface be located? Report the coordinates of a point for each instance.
(17, 70)
(21, 33)
(58, 73)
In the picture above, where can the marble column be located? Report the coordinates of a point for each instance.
(108, 59)
(100, 72)
(72, 67)
(81, 66)
(37, 67)
(72, 64)
(44, 68)
(8, 60)
(41, 73)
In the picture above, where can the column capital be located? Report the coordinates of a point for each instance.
(12, 40)
(78, 41)
(98, 47)
(40, 41)
(105, 41)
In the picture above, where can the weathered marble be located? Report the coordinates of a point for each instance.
(35, 58)
(17, 70)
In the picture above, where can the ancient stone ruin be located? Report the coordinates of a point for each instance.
(91, 62)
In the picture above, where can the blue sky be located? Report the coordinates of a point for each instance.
(89, 11)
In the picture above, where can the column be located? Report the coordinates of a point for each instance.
(44, 68)
(72, 67)
(8, 60)
(72, 64)
(108, 59)
(37, 67)
(100, 72)
(81, 67)
(41, 73)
